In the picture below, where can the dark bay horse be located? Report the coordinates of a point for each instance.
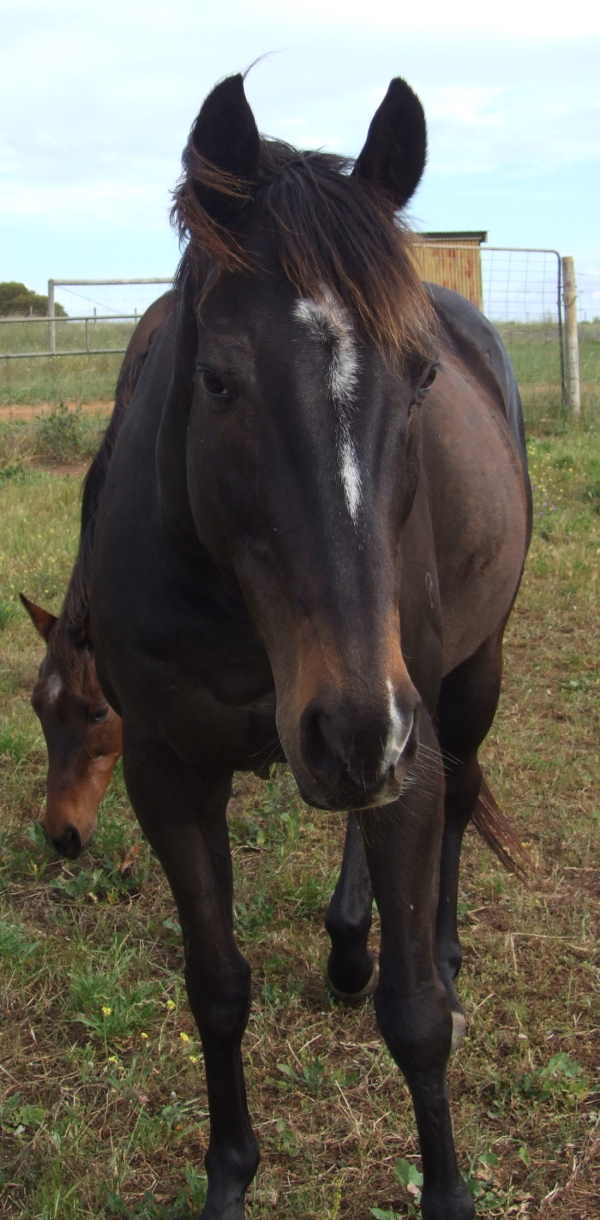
(307, 547)
(83, 733)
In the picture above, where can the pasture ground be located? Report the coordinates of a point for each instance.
(102, 1102)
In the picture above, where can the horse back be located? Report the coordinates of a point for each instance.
(474, 341)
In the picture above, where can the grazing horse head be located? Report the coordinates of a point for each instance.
(305, 345)
(83, 734)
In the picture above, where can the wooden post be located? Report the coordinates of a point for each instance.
(571, 337)
(51, 318)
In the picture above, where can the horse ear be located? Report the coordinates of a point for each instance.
(394, 154)
(42, 620)
(225, 137)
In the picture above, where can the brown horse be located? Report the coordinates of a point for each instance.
(307, 549)
(83, 734)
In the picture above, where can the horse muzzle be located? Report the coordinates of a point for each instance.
(68, 843)
(356, 756)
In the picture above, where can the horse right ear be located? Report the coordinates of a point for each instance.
(42, 620)
(221, 156)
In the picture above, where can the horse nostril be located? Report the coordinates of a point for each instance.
(317, 738)
(69, 844)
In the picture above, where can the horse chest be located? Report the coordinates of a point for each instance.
(203, 691)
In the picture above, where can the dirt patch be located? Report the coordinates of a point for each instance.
(77, 469)
(31, 410)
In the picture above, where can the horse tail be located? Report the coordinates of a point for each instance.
(497, 830)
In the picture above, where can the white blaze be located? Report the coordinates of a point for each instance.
(330, 322)
(350, 477)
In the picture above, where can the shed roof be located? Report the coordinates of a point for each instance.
(458, 235)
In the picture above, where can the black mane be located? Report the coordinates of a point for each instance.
(71, 633)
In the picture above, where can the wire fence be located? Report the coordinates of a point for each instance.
(522, 296)
(84, 336)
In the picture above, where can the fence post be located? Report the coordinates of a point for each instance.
(51, 318)
(571, 337)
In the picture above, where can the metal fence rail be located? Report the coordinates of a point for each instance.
(89, 323)
(53, 284)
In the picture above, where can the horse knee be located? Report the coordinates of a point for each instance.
(220, 999)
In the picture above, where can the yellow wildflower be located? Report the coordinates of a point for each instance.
(184, 1037)
(144, 1036)
(106, 1011)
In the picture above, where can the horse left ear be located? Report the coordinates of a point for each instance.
(226, 137)
(43, 621)
(395, 151)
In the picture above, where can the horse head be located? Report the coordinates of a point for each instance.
(83, 734)
(305, 344)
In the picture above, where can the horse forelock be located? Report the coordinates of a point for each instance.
(329, 228)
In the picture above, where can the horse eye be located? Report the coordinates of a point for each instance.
(214, 385)
(424, 385)
(430, 377)
(97, 714)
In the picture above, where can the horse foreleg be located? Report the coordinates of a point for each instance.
(402, 844)
(352, 971)
(182, 813)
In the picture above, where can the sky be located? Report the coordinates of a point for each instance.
(96, 101)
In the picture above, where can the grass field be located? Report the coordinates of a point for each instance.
(102, 1100)
(62, 378)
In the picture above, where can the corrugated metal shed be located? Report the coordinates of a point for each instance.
(452, 259)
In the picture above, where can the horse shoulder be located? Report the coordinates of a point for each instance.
(478, 502)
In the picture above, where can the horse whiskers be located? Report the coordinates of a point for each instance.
(450, 761)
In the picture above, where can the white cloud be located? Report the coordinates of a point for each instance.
(473, 105)
(96, 103)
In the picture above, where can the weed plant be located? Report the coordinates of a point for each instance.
(60, 436)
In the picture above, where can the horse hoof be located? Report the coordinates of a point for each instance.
(459, 1026)
(356, 997)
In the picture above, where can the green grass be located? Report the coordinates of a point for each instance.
(535, 354)
(62, 378)
(102, 1100)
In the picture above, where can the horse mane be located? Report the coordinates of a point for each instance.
(70, 636)
(330, 228)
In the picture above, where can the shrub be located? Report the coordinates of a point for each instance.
(62, 435)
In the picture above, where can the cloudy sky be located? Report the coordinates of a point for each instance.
(96, 102)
